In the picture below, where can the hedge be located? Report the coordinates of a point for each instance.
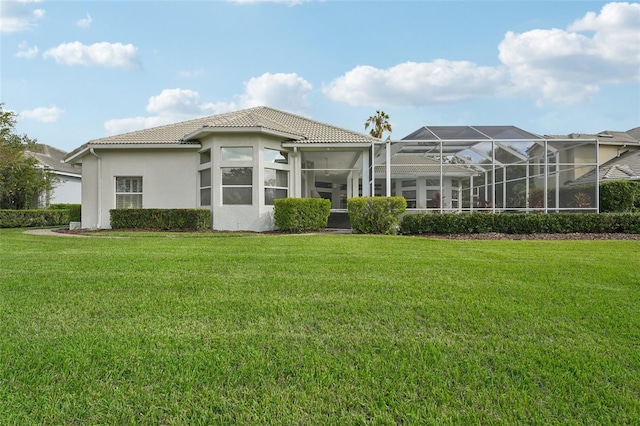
(301, 214)
(520, 223)
(165, 219)
(33, 218)
(619, 196)
(376, 215)
(73, 209)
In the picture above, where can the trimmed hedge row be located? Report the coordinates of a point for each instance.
(520, 223)
(376, 215)
(33, 218)
(165, 219)
(301, 214)
(74, 210)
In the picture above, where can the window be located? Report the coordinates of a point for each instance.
(237, 185)
(455, 193)
(129, 192)
(410, 196)
(275, 156)
(205, 157)
(237, 154)
(433, 182)
(205, 187)
(433, 199)
(552, 158)
(276, 185)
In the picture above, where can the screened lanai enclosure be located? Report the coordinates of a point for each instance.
(462, 169)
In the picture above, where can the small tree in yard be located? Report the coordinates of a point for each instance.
(22, 180)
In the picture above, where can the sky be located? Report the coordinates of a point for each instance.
(74, 71)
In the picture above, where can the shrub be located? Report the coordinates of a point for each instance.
(32, 218)
(619, 196)
(73, 209)
(376, 215)
(520, 223)
(165, 219)
(301, 214)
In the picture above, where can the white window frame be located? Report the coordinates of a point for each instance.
(138, 187)
(237, 157)
(275, 187)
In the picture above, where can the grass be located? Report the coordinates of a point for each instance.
(326, 329)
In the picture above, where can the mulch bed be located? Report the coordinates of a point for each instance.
(485, 236)
(549, 237)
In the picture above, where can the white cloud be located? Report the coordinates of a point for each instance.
(84, 22)
(123, 125)
(25, 51)
(566, 66)
(562, 66)
(170, 106)
(114, 55)
(178, 103)
(412, 83)
(16, 16)
(284, 91)
(43, 114)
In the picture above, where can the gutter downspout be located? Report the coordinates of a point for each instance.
(99, 187)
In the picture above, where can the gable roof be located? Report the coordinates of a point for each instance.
(624, 167)
(607, 137)
(293, 128)
(634, 133)
(52, 159)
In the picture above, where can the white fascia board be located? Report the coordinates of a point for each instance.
(207, 130)
(327, 145)
(174, 145)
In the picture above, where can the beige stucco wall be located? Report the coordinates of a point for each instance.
(171, 179)
(168, 180)
(255, 217)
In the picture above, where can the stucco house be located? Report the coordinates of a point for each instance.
(618, 155)
(68, 177)
(236, 164)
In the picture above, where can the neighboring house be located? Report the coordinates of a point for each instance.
(625, 166)
(67, 185)
(613, 148)
(238, 163)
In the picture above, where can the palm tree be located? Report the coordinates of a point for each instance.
(379, 124)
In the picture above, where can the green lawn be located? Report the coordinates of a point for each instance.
(317, 329)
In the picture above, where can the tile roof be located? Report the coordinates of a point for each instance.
(630, 137)
(624, 167)
(52, 157)
(302, 130)
(421, 165)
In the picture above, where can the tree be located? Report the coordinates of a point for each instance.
(22, 179)
(379, 124)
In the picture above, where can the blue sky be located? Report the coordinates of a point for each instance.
(80, 70)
